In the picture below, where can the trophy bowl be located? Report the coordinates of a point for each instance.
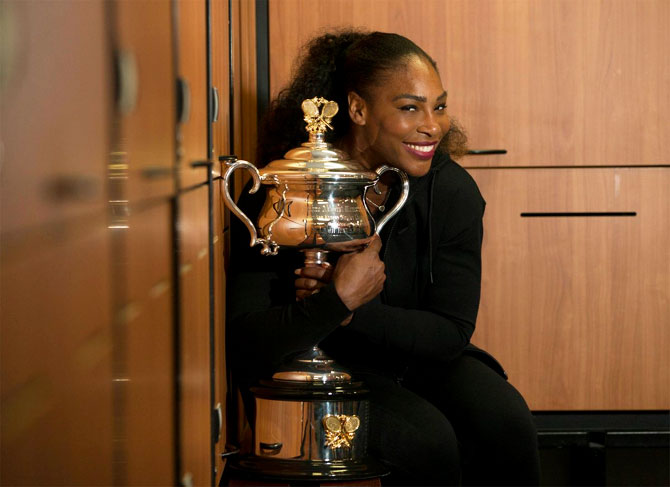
(315, 196)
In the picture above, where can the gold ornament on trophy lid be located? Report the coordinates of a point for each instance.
(318, 120)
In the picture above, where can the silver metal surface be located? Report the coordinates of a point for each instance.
(312, 366)
(299, 431)
(404, 193)
(316, 213)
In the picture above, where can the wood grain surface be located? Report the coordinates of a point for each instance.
(194, 342)
(556, 82)
(146, 128)
(192, 68)
(577, 308)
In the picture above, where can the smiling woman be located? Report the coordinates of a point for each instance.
(403, 120)
(399, 313)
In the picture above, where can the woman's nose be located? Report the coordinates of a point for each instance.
(430, 126)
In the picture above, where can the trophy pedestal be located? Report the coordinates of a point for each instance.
(310, 431)
(311, 424)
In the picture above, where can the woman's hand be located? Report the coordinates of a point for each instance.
(311, 279)
(359, 276)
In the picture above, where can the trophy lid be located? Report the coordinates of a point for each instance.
(317, 158)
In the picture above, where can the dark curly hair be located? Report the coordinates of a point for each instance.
(331, 66)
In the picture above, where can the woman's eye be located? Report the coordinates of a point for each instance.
(408, 108)
(441, 107)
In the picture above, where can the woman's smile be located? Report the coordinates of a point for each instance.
(422, 150)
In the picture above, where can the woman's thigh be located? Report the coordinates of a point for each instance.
(493, 424)
(410, 435)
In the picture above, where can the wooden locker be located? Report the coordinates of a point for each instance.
(56, 356)
(220, 376)
(56, 351)
(220, 68)
(575, 283)
(146, 108)
(194, 340)
(221, 146)
(146, 319)
(192, 73)
(56, 99)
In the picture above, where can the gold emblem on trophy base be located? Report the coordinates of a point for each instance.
(340, 430)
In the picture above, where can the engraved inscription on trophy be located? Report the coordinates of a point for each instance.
(340, 221)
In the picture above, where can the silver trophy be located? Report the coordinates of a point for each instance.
(311, 419)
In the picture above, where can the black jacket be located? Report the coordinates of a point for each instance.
(426, 313)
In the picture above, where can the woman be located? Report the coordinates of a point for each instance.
(399, 313)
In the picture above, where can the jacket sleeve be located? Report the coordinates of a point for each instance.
(442, 321)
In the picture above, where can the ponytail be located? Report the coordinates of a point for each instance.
(318, 72)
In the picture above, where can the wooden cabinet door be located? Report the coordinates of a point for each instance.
(56, 347)
(146, 335)
(220, 68)
(56, 357)
(220, 376)
(145, 137)
(192, 142)
(575, 300)
(194, 338)
(56, 99)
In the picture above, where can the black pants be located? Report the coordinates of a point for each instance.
(460, 423)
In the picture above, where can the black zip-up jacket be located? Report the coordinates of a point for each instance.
(426, 313)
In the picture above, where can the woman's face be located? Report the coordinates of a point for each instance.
(405, 119)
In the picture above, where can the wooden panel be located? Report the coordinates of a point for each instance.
(221, 382)
(192, 52)
(244, 69)
(56, 356)
(577, 308)
(148, 324)
(146, 129)
(221, 146)
(55, 68)
(220, 80)
(194, 342)
(554, 82)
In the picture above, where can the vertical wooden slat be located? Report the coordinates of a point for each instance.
(192, 68)
(56, 386)
(146, 142)
(194, 375)
(148, 310)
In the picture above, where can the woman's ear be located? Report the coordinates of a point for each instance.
(357, 108)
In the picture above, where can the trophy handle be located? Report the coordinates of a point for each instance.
(269, 247)
(403, 196)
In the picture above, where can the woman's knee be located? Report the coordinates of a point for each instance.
(413, 438)
(425, 453)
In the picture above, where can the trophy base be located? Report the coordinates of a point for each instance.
(250, 467)
(306, 430)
